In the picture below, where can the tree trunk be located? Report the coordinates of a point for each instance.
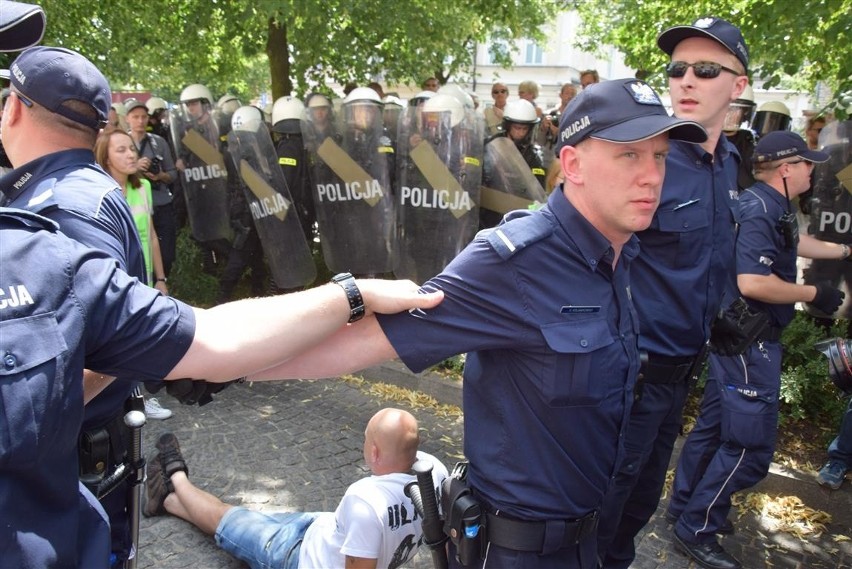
(278, 51)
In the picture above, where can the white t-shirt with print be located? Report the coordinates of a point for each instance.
(374, 520)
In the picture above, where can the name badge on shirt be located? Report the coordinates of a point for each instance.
(571, 309)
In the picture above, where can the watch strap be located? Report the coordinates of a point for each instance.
(353, 295)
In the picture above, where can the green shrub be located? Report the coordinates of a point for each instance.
(187, 281)
(806, 390)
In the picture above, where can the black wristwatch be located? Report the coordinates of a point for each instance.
(353, 295)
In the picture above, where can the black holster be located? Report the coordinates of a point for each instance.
(464, 521)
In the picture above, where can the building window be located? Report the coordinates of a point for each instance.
(533, 54)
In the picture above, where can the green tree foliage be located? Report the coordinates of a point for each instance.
(808, 39)
(243, 46)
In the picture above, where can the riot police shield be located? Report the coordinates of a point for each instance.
(351, 187)
(271, 206)
(508, 183)
(831, 212)
(202, 173)
(438, 178)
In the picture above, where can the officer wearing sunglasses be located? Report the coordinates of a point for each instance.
(678, 282)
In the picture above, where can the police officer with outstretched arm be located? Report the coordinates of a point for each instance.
(58, 102)
(542, 305)
(66, 306)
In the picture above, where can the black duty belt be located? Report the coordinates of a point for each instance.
(552, 535)
(663, 369)
(771, 334)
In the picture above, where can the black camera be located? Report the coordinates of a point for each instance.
(155, 167)
(554, 116)
(789, 228)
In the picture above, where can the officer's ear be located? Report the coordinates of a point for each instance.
(12, 109)
(570, 160)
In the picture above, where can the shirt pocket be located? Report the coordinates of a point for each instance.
(32, 383)
(679, 237)
(575, 372)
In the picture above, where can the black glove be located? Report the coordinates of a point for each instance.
(736, 328)
(192, 391)
(828, 299)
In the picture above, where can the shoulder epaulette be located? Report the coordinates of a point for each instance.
(518, 230)
(28, 219)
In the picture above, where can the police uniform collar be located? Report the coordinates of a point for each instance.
(16, 181)
(724, 147)
(593, 246)
(764, 190)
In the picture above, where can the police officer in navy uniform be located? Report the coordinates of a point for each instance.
(726, 455)
(685, 261)
(64, 306)
(542, 305)
(59, 101)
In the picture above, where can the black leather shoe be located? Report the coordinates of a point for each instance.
(710, 555)
(726, 529)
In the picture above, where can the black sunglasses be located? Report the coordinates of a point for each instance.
(702, 69)
(499, 91)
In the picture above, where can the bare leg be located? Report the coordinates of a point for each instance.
(200, 508)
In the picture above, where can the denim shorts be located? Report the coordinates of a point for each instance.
(264, 541)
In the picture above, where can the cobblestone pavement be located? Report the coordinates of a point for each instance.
(297, 445)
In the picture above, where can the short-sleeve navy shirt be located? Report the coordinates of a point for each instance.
(686, 255)
(63, 306)
(552, 341)
(72, 190)
(761, 249)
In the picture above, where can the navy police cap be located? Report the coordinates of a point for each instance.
(51, 76)
(780, 144)
(622, 110)
(717, 29)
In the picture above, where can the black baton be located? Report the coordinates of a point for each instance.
(135, 420)
(422, 494)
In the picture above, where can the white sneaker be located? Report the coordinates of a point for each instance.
(153, 410)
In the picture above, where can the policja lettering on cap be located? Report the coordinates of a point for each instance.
(52, 76)
(621, 111)
(780, 144)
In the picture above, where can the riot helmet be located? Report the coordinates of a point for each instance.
(420, 98)
(439, 115)
(247, 118)
(228, 104)
(772, 115)
(741, 111)
(520, 114)
(318, 108)
(455, 91)
(361, 108)
(196, 93)
(286, 113)
(156, 104)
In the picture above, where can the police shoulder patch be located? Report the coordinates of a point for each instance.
(519, 230)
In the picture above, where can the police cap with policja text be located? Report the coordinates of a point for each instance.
(52, 76)
(780, 144)
(716, 29)
(621, 111)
